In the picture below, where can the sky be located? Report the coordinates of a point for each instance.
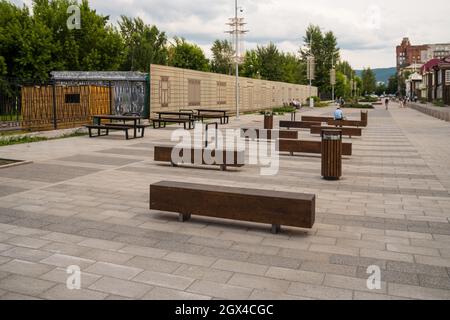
(367, 30)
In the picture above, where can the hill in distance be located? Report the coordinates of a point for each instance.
(382, 74)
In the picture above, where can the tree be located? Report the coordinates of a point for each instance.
(369, 82)
(381, 89)
(186, 55)
(144, 44)
(326, 53)
(251, 66)
(270, 61)
(222, 60)
(392, 86)
(345, 68)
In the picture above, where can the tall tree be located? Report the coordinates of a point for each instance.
(326, 53)
(392, 86)
(270, 61)
(144, 44)
(183, 54)
(222, 57)
(369, 82)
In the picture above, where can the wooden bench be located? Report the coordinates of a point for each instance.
(314, 147)
(164, 121)
(299, 124)
(316, 119)
(234, 159)
(346, 123)
(261, 206)
(346, 131)
(268, 134)
(117, 127)
(223, 119)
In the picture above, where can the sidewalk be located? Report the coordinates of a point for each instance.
(442, 113)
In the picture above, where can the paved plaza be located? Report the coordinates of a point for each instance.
(84, 202)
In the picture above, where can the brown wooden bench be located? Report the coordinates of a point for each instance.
(314, 147)
(268, 134)
(234, 159)
(298, 124)
(346, 131)
(346, 123)
(261, 206)
(316, 119)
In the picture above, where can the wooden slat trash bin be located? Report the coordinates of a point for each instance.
(331, 154)
(262, 206)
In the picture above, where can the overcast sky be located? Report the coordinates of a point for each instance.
(367, 30)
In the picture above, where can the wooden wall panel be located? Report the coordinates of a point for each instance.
(255, 94)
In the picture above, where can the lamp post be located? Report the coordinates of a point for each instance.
(310, 71)
(236, 30)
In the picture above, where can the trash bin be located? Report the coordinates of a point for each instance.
(268, 122)
(331, 154)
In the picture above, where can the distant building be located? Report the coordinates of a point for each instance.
(436, 80)
(408, 54)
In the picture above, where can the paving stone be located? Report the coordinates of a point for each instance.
(357, 261)
(259, 282)
(101, 244)
(171, 294)
(416, 292)
(321, 267)
(17, 297)
(65, 249)
(65, 261)
(26, 254)
(107, 256)
(25, 285)
(319, 292)
(295, 275)
(237, 266)
(153, 264)
(60, 292)
(203, 273)
(218, 290)
(25, 268)
(120, 287)
(264, 295)
(416, 268)
(114, 270)
(272, 260)
(144, 251)
(60, 275)
(27, 242)
(337, 281)
(392, 276)
(164, 280)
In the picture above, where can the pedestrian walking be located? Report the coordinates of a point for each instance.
(386, 102)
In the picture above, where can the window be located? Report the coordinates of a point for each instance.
(447, 77)
(72, 98)
(194, 97)
(164, 91)
(221, 92)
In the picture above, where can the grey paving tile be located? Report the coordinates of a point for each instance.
(25, 285)
(120, 287)
(60, 292)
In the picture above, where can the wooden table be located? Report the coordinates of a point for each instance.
(97, 120)
(224, 118)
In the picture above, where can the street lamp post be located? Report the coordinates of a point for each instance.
(310, 72)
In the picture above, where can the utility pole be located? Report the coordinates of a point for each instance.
(332, 77)
(236, 31)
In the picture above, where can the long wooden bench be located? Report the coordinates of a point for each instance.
(190, 122)
(261, 206)
(298, 124)
(108, 127)
(268, 134)
(346, 131)
(316, 119)
(314, 147)
(346, 123)
(234, 158)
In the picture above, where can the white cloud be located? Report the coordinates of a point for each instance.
(367, 30)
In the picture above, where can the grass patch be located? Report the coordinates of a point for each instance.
(13, 140)
(439, 103)
(321, 104)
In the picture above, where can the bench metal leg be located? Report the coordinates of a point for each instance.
(276, 228)
(292, 154)
(183, 217)
(223, 167)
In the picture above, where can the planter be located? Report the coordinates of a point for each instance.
(268, 122)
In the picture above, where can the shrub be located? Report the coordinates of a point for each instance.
(358, 106)
(439, 103)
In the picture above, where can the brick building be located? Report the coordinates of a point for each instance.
(408, 54)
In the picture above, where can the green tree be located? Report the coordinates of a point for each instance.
(222, 57)
(392, 86)
(144, 44)
(345, 68)
(369, 82)
(270, 61)
(186, 55)
(381, 89)
(251, 66)
(326, 53)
